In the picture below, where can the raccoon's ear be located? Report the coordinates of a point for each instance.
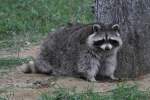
(96, 27)
(116, 27)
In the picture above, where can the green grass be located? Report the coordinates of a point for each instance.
(33, 19)
(1, 98)
(122, 92)
(9, 62)
(29, 21)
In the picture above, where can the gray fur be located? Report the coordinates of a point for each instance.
(70, 51)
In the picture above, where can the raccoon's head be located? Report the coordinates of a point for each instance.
(105, 37)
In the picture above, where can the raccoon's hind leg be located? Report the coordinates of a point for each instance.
(88, 67)
(43, 66)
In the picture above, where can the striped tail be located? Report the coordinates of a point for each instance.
(28, 68)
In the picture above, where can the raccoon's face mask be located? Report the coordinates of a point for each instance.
(105, 38)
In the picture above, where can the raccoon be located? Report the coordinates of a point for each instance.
(79, 50)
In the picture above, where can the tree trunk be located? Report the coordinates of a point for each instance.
(133, 16)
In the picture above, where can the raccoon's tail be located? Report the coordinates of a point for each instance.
(28, 68)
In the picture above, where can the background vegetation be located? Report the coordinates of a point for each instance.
(33, 19)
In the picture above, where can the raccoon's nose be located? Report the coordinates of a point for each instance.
(107, 48)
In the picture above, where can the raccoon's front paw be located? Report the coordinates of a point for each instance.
(114, 78)
(92, 79)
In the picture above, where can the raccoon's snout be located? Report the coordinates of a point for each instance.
(106, 47)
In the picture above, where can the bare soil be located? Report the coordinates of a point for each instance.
(19, 86)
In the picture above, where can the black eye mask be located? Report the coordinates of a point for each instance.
(114, 42)
(99, 42)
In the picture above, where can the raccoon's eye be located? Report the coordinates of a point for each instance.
(114, 42)
(99, 42)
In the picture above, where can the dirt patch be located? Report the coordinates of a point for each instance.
(19, 86)
(33, 51)
(30, 86)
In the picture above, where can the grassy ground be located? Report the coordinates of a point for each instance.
(9, 62)
(122, 92)
(30, 20)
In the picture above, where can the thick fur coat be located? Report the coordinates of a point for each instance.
(69, 51)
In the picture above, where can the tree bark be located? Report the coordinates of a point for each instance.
(133, 16)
